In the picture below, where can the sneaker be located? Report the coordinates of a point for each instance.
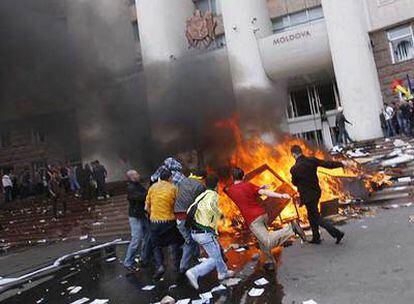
(229, 274)
(158, 273)
(298, 230)
(192, 279)
(339, 238)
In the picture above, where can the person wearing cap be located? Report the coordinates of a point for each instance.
(305, 178)
(188, 189)
(340, 121)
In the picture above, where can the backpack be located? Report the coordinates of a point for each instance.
(190, 222)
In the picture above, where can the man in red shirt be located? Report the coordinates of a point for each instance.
(246, 196)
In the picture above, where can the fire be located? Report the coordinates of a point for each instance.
(252, 153)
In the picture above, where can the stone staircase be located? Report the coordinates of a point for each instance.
(31, 222)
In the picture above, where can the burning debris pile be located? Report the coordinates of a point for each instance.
(270, 164)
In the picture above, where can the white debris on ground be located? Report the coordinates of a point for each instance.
(309, 302)
(74, 289)
(256, 292)
(111, 259)
(261, 282)
(148, 287)
(81, 301)
(231, 282)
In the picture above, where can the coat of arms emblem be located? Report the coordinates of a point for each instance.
(200, 29)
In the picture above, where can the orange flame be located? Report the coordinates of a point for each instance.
(252, 153)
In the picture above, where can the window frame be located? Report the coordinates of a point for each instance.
(392, 40)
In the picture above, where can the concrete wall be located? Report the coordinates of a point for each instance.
(303, 50)
(384, 13)
(279, 8)
(387, 70)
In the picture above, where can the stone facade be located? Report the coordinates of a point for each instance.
(25, 149)
(279, 8)
(388, 71)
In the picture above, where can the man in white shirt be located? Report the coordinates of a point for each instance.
(389, 115)
(7, 187)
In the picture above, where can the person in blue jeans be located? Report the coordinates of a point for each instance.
(188, 190)
(203, 216)
(137, 219)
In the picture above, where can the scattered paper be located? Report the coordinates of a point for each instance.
(206, 295)
(74, 289)
(261, 282)
(404, 179)
(100, 301)
(231, 282)
(40, 300)
(148, 287)
(184, 301)
(256, 292)
(364, 227)
(241, 249)
(199, 301)
(309, 302)
(172, 287)
(408, 204)
(111, 259)
(81, 301)
(219, 288)
(64, 282)
(83, 237)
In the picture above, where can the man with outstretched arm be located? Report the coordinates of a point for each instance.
(246, 196)
(305, 178)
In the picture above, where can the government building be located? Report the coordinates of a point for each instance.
(130, 82)
(325, 53)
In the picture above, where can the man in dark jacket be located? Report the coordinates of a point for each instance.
(188, 190)
(305, 178)
(100, 174)
(340, 120)
(137, 219)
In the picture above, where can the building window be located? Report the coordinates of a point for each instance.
(5, 139)
(290, 21)
(213, 6)
(308, 101)
(38, 136)
(314, 137)
(401, 43)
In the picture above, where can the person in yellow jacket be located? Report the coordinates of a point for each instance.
(202, 217)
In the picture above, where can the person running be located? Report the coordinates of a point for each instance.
(163, 228)
(246, 196)
(136, 194)
(305, 178)
(203, 217)
(188, 190)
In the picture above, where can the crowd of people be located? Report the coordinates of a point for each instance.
(183, 213)
(397, 118)
(57, 182)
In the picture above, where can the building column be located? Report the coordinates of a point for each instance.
(259, 100)
(354, 66)
(162, 25)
